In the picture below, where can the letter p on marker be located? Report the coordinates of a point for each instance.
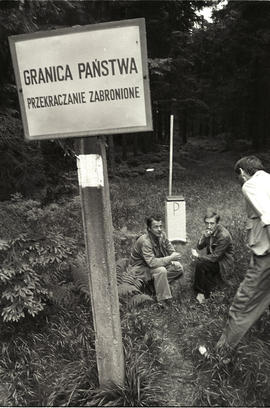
(175, 207)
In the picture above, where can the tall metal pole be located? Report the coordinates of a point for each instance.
(171, 155)
(98, 234)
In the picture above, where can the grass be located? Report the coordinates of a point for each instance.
(50, 361)
(244, 382)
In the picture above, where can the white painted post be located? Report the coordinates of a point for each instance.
(171, 155)
(175, 207)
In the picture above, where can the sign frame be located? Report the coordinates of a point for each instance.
(140, 22)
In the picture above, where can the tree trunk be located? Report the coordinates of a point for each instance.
(211, 125)
(111, 154)
(124, 147)
(167, 126)
(159, 125)
(184, 126)
(135, 144)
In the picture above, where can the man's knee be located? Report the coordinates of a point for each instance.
(200, 266)
(178, 266)
(176, 271)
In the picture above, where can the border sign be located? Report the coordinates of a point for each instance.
(83, 80)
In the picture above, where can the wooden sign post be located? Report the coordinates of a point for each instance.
(98, 232)
(89, 81)
(175, 207)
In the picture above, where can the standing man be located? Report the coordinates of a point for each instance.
(253, 294)
(212, 268)
(154, 257)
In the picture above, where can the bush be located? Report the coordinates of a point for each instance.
(33, 261)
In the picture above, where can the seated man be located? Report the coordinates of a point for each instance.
(212, 268)
(154, 257)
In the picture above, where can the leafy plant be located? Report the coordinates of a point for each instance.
(22, 288)
(32, 262)
(129, 286)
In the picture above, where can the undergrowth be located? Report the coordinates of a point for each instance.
(49, 360)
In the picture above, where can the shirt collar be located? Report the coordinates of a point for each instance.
(255, 175)
(155, 240)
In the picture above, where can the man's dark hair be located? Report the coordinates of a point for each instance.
(152, 218)
(250, 164)
(210, 213)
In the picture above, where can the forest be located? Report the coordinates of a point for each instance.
(213, 77)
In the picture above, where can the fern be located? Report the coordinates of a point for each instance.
(140, 299)
(63, 295)
(125, 275)
(80, 274)
(129, 286)
(125, 289)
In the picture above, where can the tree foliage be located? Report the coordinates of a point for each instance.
(213, 76)
(232, 62)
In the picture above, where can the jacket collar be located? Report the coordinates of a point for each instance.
(216, 230)
(155, 240)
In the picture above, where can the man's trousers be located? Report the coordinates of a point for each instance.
(206, 277)
(162, 277)
(250, 301)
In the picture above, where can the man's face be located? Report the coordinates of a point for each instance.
(156, 228)
(242, 177)
(210, 224)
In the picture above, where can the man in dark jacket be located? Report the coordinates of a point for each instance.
(213, 267)
(154, 257)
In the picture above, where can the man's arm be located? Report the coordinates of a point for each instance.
(154, 262)
(222, 245)
(169, 246)
(202, 243)
(259, 199)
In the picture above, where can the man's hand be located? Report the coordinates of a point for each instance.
(204, 235)
(194, 253)
(177, 264)
(207, 233)
(175, 256)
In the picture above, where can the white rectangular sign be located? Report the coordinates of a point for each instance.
(90, 170)
(82, 81)
(176, 218)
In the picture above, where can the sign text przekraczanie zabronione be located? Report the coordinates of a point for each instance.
(71, 98)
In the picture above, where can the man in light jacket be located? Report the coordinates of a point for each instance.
(154, 257)
(253, 294)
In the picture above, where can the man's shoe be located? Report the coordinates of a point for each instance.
(164, 304)
(168, 302)
(160, 305)
(224, 357)
(223, 351)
